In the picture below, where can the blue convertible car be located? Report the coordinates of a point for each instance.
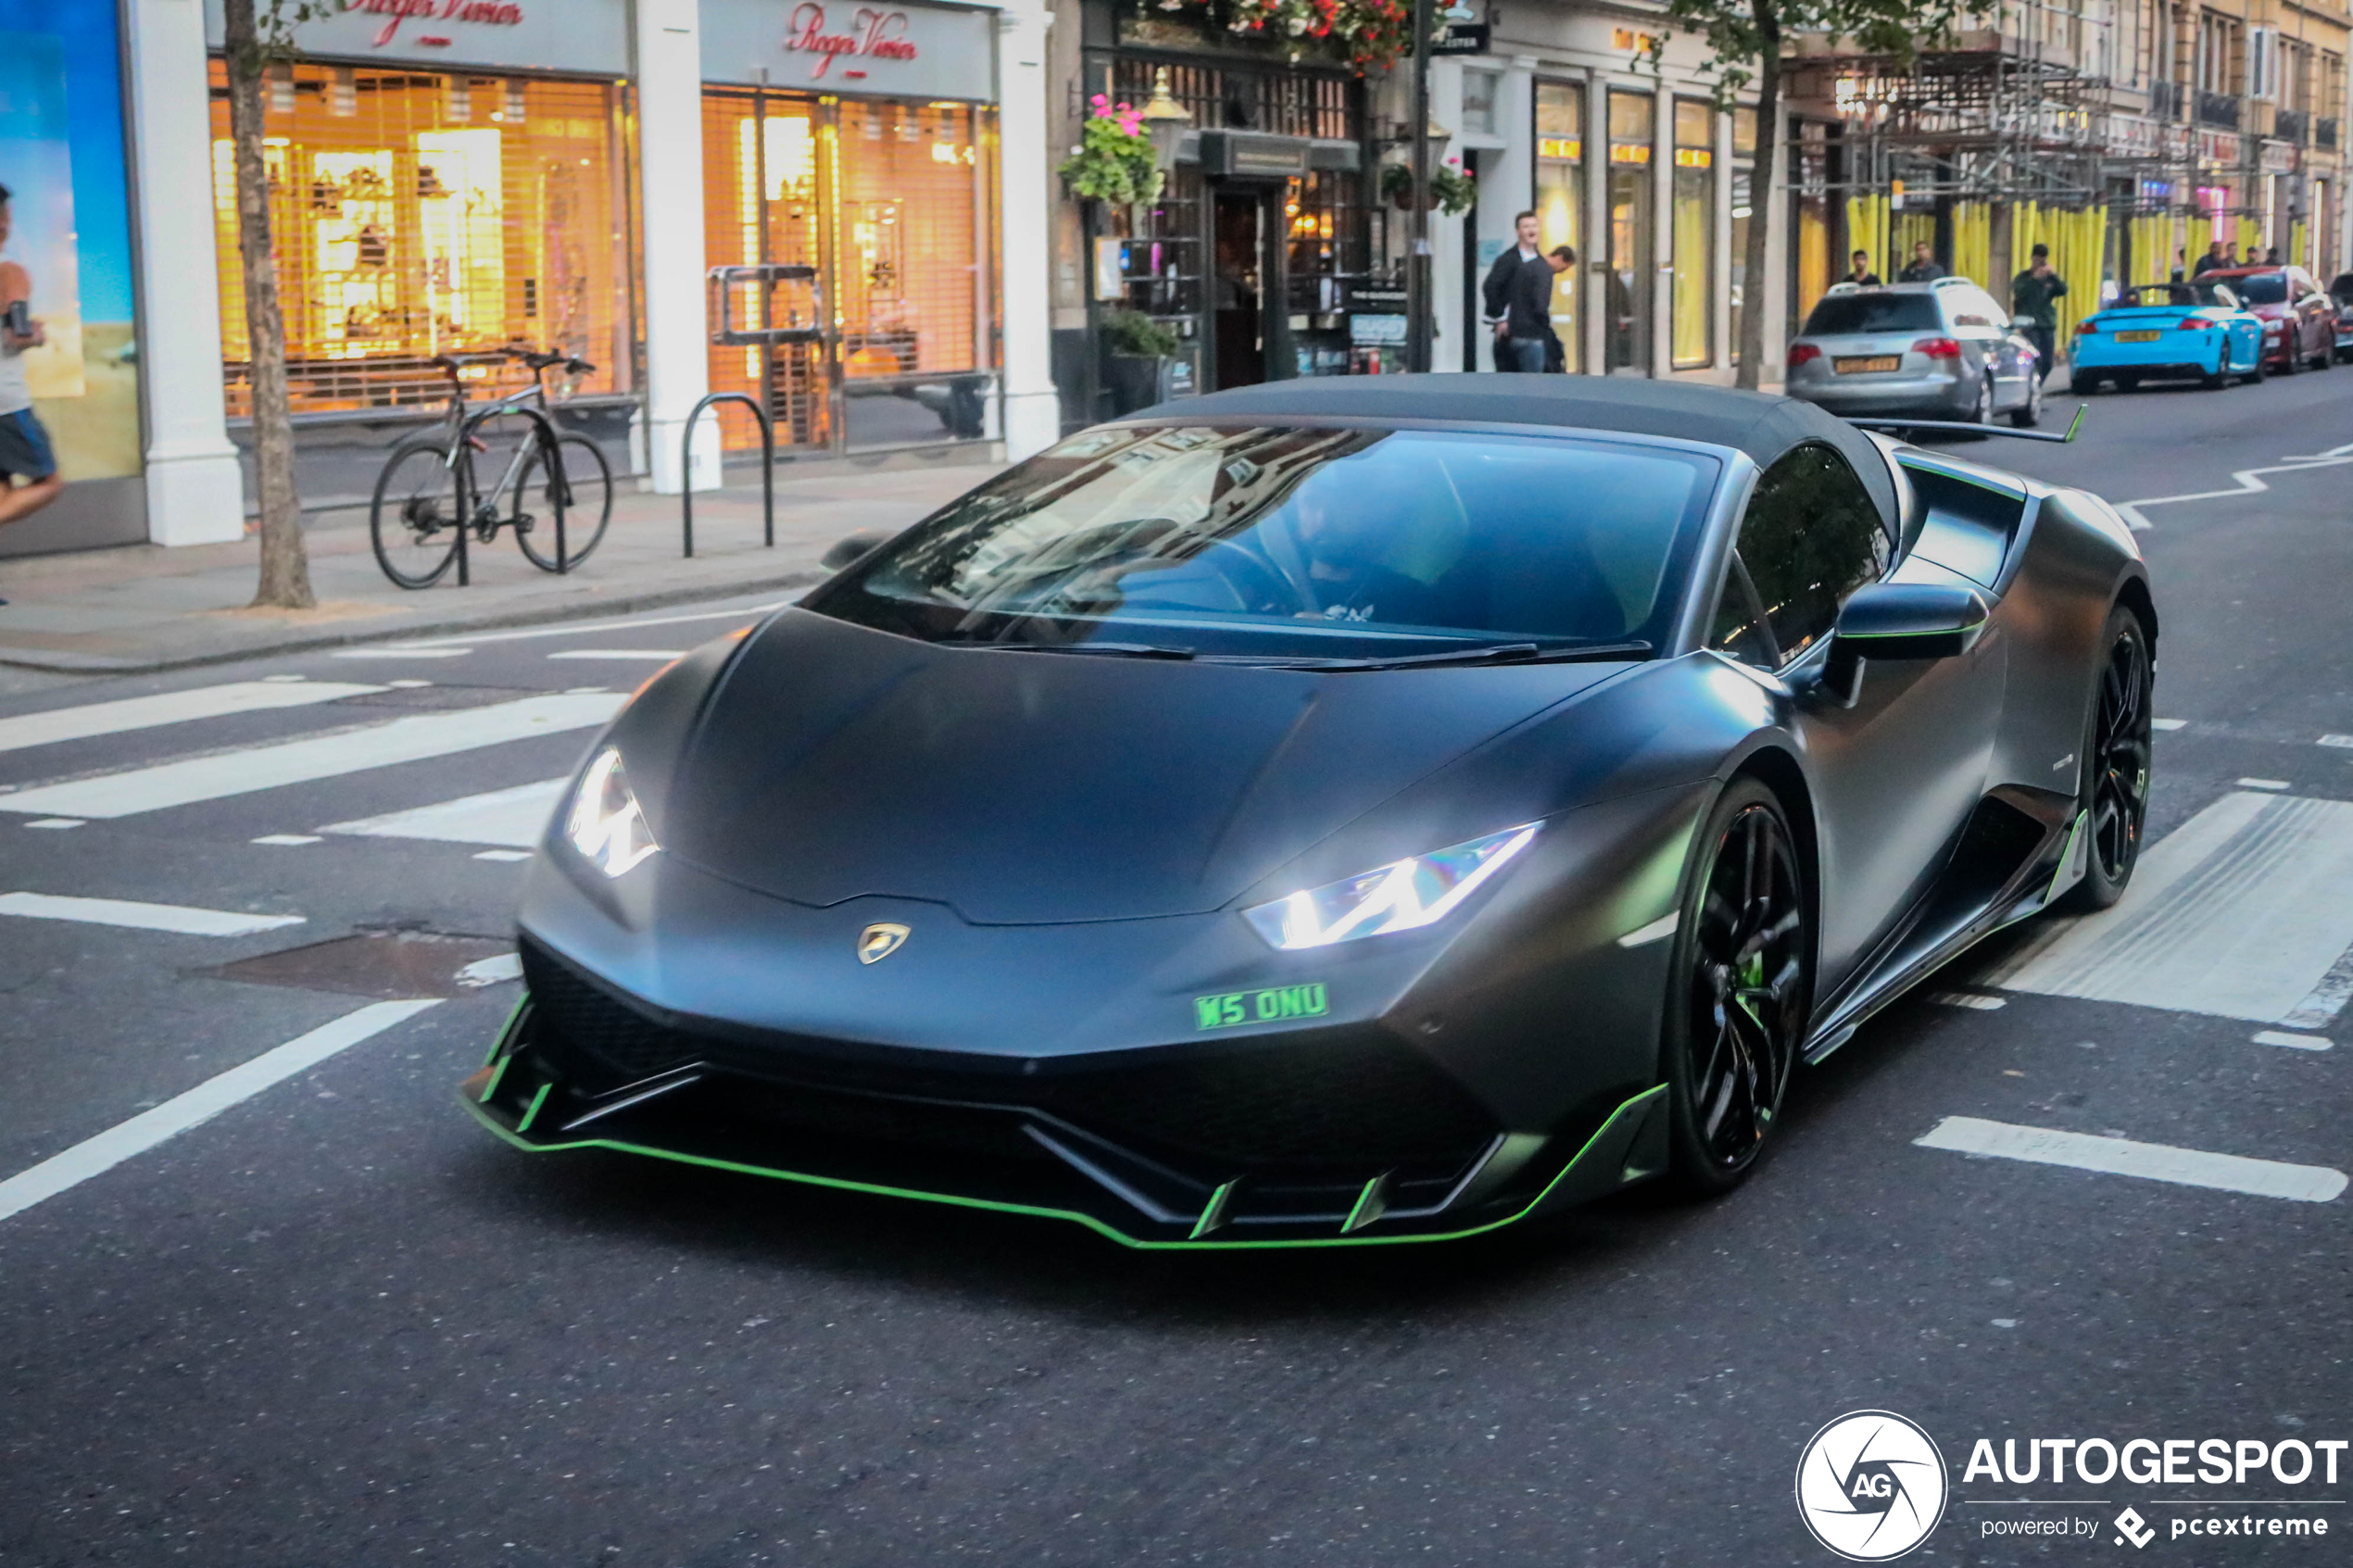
(2178, 330)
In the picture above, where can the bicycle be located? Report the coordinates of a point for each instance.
(427, 496)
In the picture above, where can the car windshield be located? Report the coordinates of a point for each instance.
(2180, 296)
(2261, 288)
(1300, 544)
(1869, 312)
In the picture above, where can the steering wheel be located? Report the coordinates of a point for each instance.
(1260, 586)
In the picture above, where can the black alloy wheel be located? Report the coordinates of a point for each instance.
(1738, 1004)
(2115, 791)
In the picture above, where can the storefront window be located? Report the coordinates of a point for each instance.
(61, 154)
(1627, 333)
(884, 203)
(1743, 198)
(1693, 311)
(1479, 91)
(1560, 201)
(417, 214)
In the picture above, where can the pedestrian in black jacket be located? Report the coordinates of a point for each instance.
(1519, 299)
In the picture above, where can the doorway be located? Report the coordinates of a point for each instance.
(1238, 299)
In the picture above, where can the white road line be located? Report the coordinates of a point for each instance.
(2243, 482)
(598, 627)
(401, 653)
(242, 771)
(665, 655)
(2337, 740)
(510, 818)
(97, 1155)
(2294, 1042)
(1967, 1000)
(2167, 724)
(2262, 783)
(491, 971)
(56, 822)
(505, 855)
(2121, 1157)
(170, 708)
(2244, 912)
(288, 840)
(140, 917)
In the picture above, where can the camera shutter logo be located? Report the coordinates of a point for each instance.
(1871, 1486)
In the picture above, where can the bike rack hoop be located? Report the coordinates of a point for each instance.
(767, 469)
(558, 486)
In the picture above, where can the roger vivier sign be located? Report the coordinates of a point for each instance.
(853, 47)
(873, 35)
(588, 36)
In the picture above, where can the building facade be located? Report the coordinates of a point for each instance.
(839, 211)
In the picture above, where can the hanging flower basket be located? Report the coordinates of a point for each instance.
(1113, 163)
(1373, 33)
(1452, 191)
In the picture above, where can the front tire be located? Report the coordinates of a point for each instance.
(2030, 414)
(1741, 991)
(588, 482)
(2113, 793)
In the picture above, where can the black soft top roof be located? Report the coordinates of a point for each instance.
(1754, 422)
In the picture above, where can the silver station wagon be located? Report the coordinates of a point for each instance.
(1939, 351)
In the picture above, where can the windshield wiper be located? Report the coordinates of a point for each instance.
(1112, 650)
(1493, 653)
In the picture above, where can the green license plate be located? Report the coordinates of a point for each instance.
(1274, 1005)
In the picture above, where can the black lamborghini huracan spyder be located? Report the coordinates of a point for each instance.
(1337, 811)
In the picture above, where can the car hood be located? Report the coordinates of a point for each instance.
(834, 761)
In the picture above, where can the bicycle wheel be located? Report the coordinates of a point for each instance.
(412, 522)
(589, 482)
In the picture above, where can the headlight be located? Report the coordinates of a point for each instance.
(606, 825)
(1403, 896)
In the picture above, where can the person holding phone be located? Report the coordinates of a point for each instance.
(28, 468)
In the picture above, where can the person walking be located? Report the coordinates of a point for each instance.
(1860, 273)
(2210, 260)
(1519, 299)
(1923, 269)
(1562, 260)
(24, 445)
(2035, 294)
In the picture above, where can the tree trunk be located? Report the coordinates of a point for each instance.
(285, 569)
(1754, 291)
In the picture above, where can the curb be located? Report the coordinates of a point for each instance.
(55, 662)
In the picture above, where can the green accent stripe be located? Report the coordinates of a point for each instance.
(496, 1074)
(1631, 1109)
(1213, 1214)
(532, 1114)
(506, 1029)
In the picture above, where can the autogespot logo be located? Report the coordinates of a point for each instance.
(1870, 1486)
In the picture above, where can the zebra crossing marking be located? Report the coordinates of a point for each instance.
(414, 738)
(2123, 1157)
(512, 819)
(90, 719)
(177, 917)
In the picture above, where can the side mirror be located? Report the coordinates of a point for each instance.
(1898, 621)
(852, 549)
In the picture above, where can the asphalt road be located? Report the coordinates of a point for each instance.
(336, 1323)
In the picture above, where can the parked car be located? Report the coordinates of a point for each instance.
(2169, 330)
(2341, 295)
(2299, 321)
(1942, 351)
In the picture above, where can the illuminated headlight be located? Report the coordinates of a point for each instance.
(1403, 896)
(606, 823)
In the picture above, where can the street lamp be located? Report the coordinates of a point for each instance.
(1166, 121)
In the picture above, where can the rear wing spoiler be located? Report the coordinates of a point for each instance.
(1897, 427)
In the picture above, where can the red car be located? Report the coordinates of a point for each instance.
(2299, 321)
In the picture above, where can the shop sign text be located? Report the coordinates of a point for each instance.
(874, 33)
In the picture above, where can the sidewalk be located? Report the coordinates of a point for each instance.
(142, 606)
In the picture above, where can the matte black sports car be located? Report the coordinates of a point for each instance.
(1337, 811)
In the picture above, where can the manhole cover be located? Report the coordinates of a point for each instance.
(386, 965)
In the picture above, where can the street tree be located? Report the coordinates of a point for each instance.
(1744, 39)
(259, 34)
